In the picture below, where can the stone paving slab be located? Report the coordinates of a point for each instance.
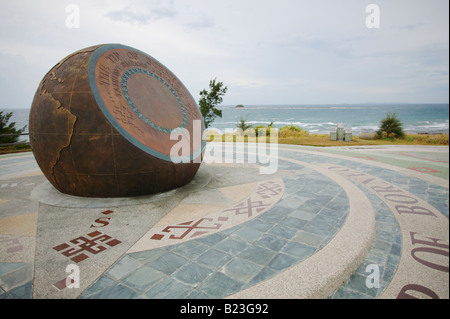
(329, 223)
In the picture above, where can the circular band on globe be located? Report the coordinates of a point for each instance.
(124, 81)
(118, 89)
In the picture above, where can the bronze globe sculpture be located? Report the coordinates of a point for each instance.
(112, 121)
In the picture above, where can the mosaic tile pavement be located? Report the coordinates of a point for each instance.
(218, 265)
(217, 258)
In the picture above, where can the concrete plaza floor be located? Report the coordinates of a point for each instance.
(290, 222)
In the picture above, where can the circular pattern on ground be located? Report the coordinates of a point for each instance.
(305, 219)
(157, 273)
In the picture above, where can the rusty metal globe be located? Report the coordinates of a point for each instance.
(112, 121)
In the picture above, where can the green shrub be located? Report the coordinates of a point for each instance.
(242, 125)
(292, 131)
(390, 127)
(261, 130)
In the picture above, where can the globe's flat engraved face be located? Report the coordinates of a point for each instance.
(142, 98)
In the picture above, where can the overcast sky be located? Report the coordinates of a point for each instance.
(266, 52)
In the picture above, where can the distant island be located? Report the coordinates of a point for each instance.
(239, 106)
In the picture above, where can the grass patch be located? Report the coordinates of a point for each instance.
(15, 148)
(408, 139)
(297, 136)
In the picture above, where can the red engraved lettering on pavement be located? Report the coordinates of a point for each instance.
(269, 189)
(189, 226)
(424, 170)
(86, 245)
(12, 245)
(427, 159)
(248, 207)
(434, 249)
(419, 288)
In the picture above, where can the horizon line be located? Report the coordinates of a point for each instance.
(291, 104)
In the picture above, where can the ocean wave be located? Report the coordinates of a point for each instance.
(280, 123)
(298, 107)
(365, 127)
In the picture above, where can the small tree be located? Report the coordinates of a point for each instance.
(10, 128)
(209, 100)
(242, 125)
(390, 126)
(260, 130)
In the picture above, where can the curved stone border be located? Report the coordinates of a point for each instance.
(323, 272)
(425, 233)
(378, 268)
(429, 178)
(427, 187)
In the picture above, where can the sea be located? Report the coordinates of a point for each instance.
(318, 119)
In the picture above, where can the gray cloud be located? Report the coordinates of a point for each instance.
(138, 15)
(411, 27)
(202, 22)
(264, 51)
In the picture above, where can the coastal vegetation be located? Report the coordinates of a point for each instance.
(243, 125)
(390, 126)
(408, 139)
(304, 138)
(291, 134)
(292, 131)
(8, 129)
(209, 100)
(9, 135)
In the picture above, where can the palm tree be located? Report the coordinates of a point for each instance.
(242, 125)
(390, 126)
